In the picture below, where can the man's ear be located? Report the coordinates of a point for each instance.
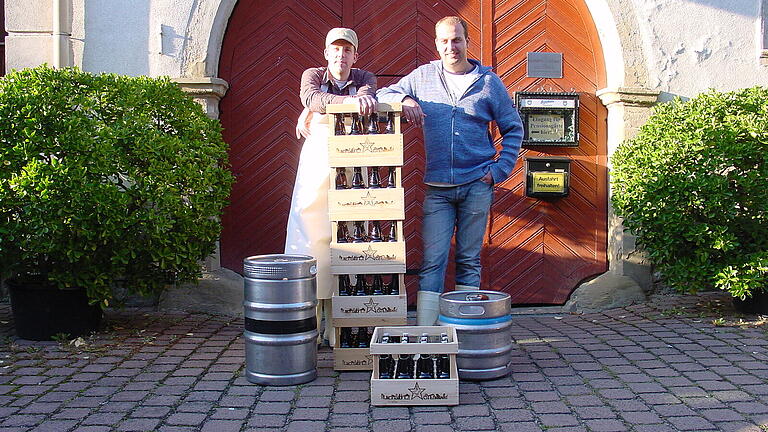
(354, 59)
(325, 53)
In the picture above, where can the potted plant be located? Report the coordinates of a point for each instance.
(692, 187)
(102, 177)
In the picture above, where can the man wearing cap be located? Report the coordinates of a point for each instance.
(309, 229)
(455, 99)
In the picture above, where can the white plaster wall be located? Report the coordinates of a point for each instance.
(693, 45)
(115, 36)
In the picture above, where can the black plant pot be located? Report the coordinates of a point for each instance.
(755, 304)
(41, 311)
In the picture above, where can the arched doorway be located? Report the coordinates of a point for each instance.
(538, 251)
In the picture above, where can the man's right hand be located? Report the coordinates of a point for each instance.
(413, 112)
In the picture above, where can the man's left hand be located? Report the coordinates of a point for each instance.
(366, 103)
(487, 178)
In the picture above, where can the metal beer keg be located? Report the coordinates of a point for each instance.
(280, 322)
(482, 320)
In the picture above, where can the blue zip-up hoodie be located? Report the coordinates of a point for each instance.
(457, 139)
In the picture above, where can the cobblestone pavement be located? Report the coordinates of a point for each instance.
(672, 364)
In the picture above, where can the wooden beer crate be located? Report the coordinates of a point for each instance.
(365, 150)
(371, 308)
(408, 392)
(363, 204)
(351, 358)
(381, 257)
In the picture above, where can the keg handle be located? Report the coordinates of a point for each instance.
(471, 310)
(477, 297)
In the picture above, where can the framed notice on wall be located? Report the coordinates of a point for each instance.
(549, 119)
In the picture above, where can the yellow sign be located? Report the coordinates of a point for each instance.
(548, 182)
(546, 127)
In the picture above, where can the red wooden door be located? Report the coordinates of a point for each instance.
(535, 250)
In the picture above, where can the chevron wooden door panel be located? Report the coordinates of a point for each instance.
(538, 251)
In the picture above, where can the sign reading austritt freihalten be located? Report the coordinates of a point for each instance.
(545, 65)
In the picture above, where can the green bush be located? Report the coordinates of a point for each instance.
(106, 177)
(693, 187)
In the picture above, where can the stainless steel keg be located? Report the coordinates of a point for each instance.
(280, 321)
(482, 320)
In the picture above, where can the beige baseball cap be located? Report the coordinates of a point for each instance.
(341, 33)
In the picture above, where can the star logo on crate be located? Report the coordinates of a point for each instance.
(371, 305)
(370, 253)
(367, 145)
(416, 392)
(368, 197)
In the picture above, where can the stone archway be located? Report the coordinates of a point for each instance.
(624, 95)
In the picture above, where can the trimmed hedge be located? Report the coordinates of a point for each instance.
(693, 187)
(106, 177)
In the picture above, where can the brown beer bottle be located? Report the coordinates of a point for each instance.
(375, 234)
(391, 178)
(373, 124)
(374, 180)
(394, 285)
(386, 362)
(357, 128)
(443, 361)
(425, 367)
(362, 337)
(345, 334)
(341, 178)
(405, 363)
(392, 231)
(361, 288)
(344, 285)
(378, 285)
(390, 127)
(339, 128)
(357, 179)
(359, 233)
(342, 233)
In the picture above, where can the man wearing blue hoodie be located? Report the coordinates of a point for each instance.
(454, 99)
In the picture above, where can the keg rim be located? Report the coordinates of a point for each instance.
(281, 258)
(500, 296)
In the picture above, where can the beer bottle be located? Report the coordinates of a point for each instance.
(374, 180)
(342, 233)
(362, 337)
(394, 285)
(357, 179)
(391, 178)
(392, 231)
(375, 234)
(345, 334)
(344, 285)
(425, 367)
(405, 363)
(443, 361)
(386, 362)
(341, 178)
(356, 125)
(339, 128)
(360, 286)
(358, 235)
(373, 124)
(390, 127)
(378, 285)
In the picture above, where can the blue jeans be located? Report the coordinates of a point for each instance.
(463, 209)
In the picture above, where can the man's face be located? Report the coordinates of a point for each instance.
(341, 55)
(451, 44)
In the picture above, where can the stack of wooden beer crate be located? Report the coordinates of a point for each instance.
(366, 205)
